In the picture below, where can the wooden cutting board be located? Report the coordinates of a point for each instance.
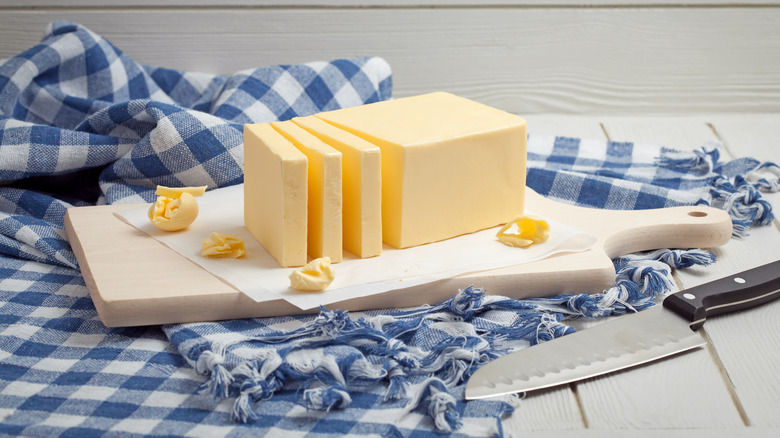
(135, 280)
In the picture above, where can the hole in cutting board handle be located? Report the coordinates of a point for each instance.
(697, 213)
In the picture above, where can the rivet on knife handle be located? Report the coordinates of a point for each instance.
(737, 292)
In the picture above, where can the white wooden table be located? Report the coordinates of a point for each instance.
(731, 388)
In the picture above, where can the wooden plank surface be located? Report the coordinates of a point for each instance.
(189, 4)
(747, 344)
(731, 386)
(524, 59)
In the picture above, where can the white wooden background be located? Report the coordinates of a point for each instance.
(523, 56)
(650, 71)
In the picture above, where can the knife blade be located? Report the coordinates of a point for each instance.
(626, 341)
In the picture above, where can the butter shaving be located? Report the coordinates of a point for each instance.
(173, 214)
(524, 231)
(175, 192)
(315, 276)
(223, 245)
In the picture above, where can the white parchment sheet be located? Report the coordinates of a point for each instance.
(260, 277)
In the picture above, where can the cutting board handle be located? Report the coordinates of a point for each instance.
(674, 227)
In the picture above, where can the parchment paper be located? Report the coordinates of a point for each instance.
(260, 277)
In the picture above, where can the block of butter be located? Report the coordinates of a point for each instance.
(450, 166)
(275, 193)
(325, 200)
(361, 186)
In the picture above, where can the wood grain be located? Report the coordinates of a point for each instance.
(550, 409)
(135, 280)
(522, 59)
(747, 343)
(684, 391)
(748, 361)
(366, 3)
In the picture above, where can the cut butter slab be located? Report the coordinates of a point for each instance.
(275, 193)
(325, 199)
(361, 183)
(450, 166)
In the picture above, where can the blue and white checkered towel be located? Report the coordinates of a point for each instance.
(81, 123)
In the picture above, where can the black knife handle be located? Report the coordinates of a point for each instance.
(736, 292)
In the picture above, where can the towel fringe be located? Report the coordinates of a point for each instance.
(700, 161)
(334, 354)
(741, 199)
(259, 380)
(211, 363)
(766, 176)
(324, 398)
(440, 405)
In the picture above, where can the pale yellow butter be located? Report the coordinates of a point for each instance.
(275, 193)
(223, 245)
(450, 166)
(361, 186)
(175, 192)
(524, 231)
(317, 275)
(324, 186)
(174, 214)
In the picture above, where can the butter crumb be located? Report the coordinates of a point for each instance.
(223, 245)
(315, 276)
(524, 231)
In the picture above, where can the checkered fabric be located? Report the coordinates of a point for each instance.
(628, 176)
(82, 124)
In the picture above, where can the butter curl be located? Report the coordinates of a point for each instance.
(173, 214)
(524, 231)
(315, 276)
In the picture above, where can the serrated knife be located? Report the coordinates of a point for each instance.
(627, 341)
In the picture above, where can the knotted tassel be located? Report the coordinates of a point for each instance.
(440, 405)
(325, 398)
(743, 202)
(398, 381)
(619, 299)
(652, 277)
(220, 379)
(766, 176)
(675, 258)
(466, 303)
(260, 379)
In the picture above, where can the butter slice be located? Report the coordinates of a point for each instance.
(450, 166)
(362, 186)
(175, 192)
(275, 193)
(325, 199)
